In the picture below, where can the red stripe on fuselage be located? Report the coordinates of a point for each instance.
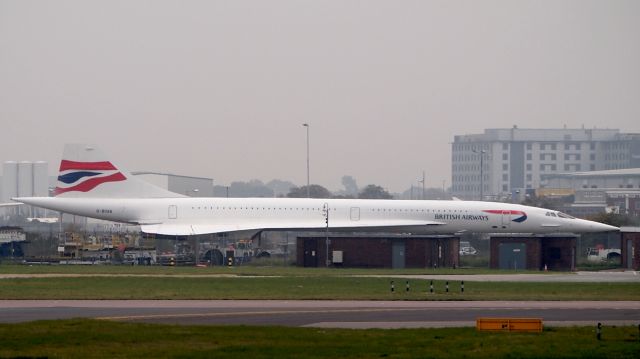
(96, 166)
(506, 211)
(90, 184)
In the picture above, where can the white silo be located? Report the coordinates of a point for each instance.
(9, 181)
(25, 179)
(25, 184)
(40, 185)
(40, 179)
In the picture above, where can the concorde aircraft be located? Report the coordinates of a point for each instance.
(90, 185)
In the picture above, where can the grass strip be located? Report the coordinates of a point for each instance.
(99, 339)
(238, 270)
(335, 288)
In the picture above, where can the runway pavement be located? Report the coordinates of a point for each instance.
(339, 314)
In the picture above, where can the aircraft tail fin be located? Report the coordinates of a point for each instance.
(85, 171)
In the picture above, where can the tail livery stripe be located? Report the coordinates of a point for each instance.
(522, 214)
(72, 177)
(66, 165)
(91, 183)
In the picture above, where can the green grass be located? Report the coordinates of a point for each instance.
(239, 270)
(99, 339)
(297, 287)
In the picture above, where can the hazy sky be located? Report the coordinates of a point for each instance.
(221, 88)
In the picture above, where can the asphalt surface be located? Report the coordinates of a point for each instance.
(341, 314)
(337, 314)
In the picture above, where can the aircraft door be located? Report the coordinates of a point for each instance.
(355, 213)
(506, 219)
(173, 212)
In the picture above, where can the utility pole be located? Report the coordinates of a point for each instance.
(423, 184)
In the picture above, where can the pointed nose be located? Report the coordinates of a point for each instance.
(591, 226)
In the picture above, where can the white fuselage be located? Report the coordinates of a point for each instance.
(183, 216)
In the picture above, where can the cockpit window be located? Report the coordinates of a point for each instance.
(564, 215)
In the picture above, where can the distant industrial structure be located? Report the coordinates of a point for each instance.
(622, 179)
(612, 191)
(500, 162)
(25, 179)
(185, 185)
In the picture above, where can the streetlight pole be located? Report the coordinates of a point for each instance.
(481, 152)
(307, 126)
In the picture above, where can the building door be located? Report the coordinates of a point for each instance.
(629, 254)
(398, 254)
(173, 212)
(310, 248)
(355, 213)
(512, 256)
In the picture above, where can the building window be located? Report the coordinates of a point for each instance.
(505, 146)
(578, 146)
(529, 177)
(578, 157)
(542, 155)
(505, 188)
(528, 157)
(553, 146)
(505, 177)
(505, 167)
(529, 166)
(566, 146)
(529, 146)
(592, 157)
(553, 167)
(592, 167)
(593, 146)
(505, 156)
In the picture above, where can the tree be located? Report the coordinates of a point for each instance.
(374, 192)
(614, 219)
(279, 187)
(315, 191)
(350, 186)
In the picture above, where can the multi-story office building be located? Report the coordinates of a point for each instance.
(516, 159)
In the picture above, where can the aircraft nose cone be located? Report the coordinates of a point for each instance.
(601, 227)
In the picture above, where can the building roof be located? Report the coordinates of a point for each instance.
(606, 173)
(544, 135)
(137, 173)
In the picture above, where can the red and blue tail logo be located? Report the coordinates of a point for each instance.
(85, 176)
(522, 215)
